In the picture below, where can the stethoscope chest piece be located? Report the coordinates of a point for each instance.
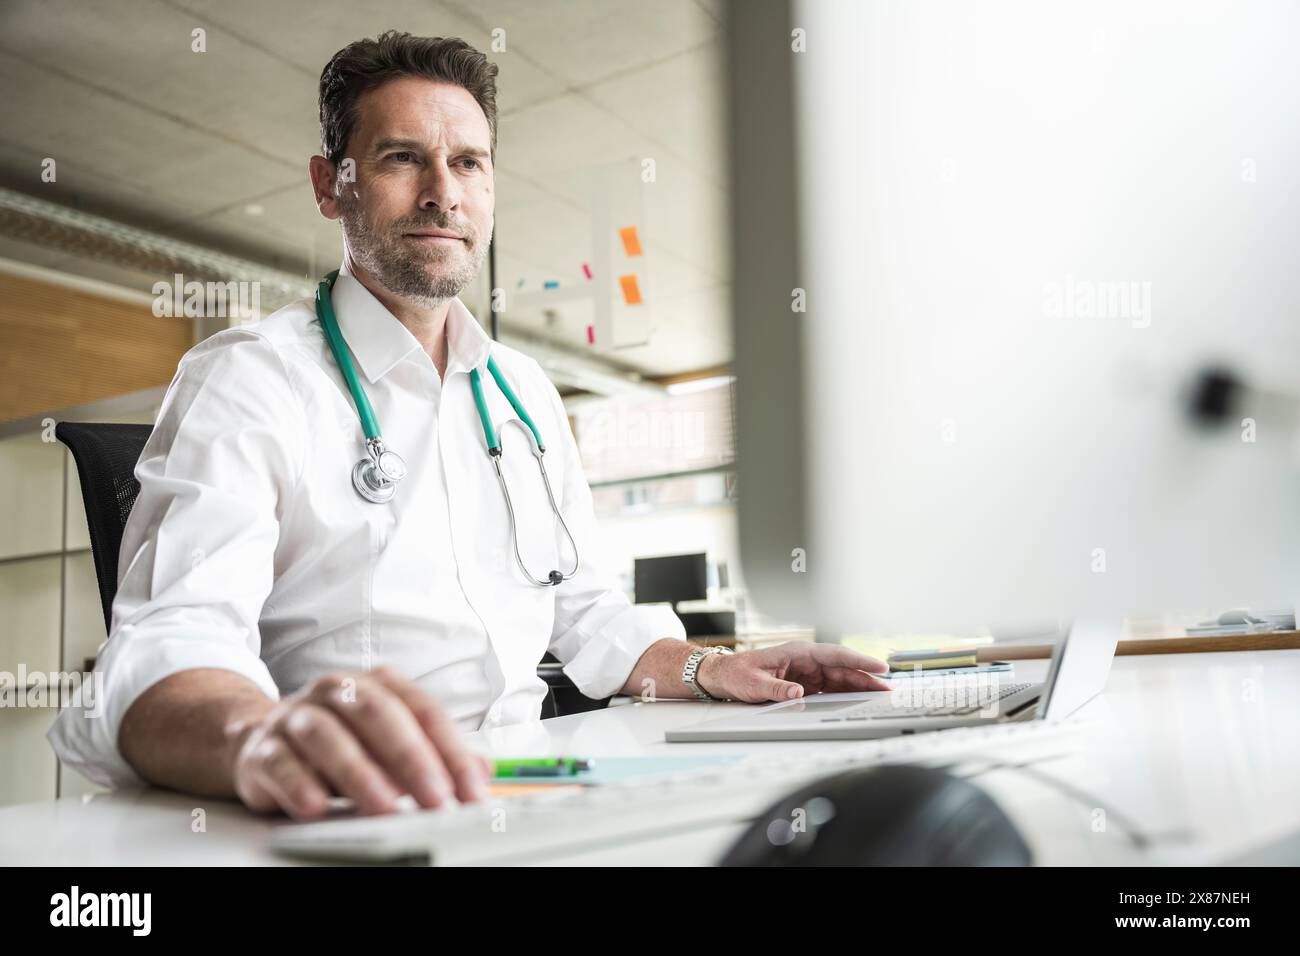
(375, 477)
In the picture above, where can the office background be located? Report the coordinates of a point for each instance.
(149, 138)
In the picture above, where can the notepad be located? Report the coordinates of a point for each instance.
(931, 657)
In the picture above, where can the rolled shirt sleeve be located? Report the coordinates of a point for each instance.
(599, 634)
(197, 557)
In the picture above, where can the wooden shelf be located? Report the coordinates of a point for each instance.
(1176, 644)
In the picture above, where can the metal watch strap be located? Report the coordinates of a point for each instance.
(692, 668)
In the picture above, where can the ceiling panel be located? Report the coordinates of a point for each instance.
(150, 133)
(307, 35)
(582, 41)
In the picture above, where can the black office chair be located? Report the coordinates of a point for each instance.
(106, 456)
(562, 694)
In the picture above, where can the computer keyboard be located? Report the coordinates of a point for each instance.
(539, 827)
(885, 710)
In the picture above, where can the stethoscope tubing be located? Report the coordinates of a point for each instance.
(375, 484)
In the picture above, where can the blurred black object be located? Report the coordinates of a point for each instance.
(1215, 396)
(883, 816)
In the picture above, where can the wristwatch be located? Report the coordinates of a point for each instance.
(693, 665)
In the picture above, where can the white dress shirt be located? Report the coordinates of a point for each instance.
(249, 550)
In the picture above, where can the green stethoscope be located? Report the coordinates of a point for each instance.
(375, 476)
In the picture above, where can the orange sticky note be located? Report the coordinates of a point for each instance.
(631, 242)
(508, 790)
(631, 291)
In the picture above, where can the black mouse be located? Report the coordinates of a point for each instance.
(893, 815)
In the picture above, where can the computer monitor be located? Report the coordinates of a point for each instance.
(1016, 309)
(671, 578)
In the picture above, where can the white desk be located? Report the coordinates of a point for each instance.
(1199, 751)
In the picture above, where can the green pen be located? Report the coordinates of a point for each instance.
(541, 767)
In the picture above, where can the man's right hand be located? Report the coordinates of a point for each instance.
(369, 736)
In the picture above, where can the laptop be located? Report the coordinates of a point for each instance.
(1077, 673)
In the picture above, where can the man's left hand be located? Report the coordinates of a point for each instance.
(790, 670)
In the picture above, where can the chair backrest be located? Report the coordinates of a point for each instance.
(106, 457)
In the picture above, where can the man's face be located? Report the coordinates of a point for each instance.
(419, 216)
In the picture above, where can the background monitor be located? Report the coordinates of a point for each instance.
(672, 578)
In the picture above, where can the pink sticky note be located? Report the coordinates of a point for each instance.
(586, 270)
(591, 335)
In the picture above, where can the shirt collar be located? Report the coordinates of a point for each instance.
(379, 341)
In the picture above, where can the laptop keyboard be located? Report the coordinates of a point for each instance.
(884, 710)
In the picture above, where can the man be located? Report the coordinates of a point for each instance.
(277, 637)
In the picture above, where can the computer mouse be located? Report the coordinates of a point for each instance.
(892, 815)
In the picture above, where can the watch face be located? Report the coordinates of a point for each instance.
(392, 466)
